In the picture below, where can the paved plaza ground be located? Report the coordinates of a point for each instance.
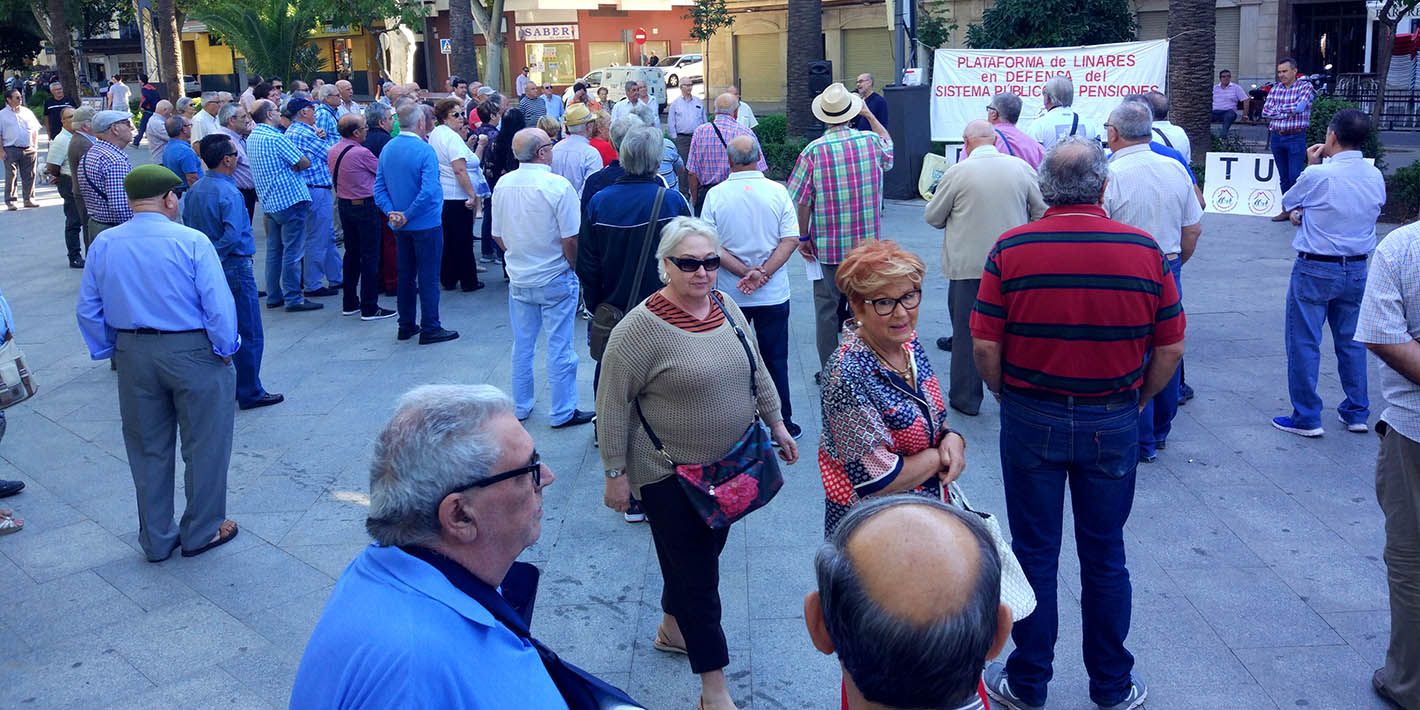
(1255, 555)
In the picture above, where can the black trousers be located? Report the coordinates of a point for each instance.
(689, 553)
(458, 267)
(361, 268)
(249, 196)
(489, 248)
(72, 222)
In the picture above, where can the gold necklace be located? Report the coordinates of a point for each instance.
(903, 373)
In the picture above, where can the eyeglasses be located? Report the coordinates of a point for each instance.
(885, 306)
(277, 86)
(539, 148)
(232, 154)
(691, 266)
(534, 467)
(457, 115)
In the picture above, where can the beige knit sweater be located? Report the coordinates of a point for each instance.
(693, 387)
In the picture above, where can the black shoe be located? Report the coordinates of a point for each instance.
(579, 418)
(795, 430)
(261, 294)
(476, 287)
(322, 292)
(265, 400)
(76, 262)
(304, 306)
(380, 314)
(967, 412)
(406, 334)
(1185, 393)
(9, 488)
(350, 311)
(437, 336)
(945, 343)
(277, 304)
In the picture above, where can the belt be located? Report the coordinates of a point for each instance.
(1290, 133)
(1330, 257)
(155, 331)
(319, 187)
(1067, 399)
(356, 201)
(687, 135)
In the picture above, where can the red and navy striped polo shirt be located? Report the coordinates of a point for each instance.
(1076, 301)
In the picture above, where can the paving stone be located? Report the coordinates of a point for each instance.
(1313, 676)
(83, 673)
(1253, 608)
(64, 551)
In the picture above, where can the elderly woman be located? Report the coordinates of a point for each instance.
(461, 177)
(673, 358)
(600, 137)
(884, 423)
(501, 161)
(551, 126)
(185, 107)
(671, 162)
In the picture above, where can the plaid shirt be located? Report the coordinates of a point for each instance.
(304, 137)
(327, 120)
(841, 175)
(709, 159)
(271, 155)
(1289, 108)
(100, 175)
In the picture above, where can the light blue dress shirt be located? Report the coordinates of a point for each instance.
(1340, 199)
(215, 207)
(151, 272)
(555, 108)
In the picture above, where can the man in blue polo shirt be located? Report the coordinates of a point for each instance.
(178, 156)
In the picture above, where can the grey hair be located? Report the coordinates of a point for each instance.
(183, 104)
(894, 661)
(438, 440)
(410, 115)
(676, 232)
(430, 118)
(1132, 120)
(623, 125)
(1060, 91)
(326, 90)
(632, 84)
(375, 114)
(525, 138)
(1008, 105)
(55, 85)
(227, 112)
(580, 129)
(641, 150)
(743, 157)
(645, 113)
(174, 126)
(728, 109)
(1073, 172)
(1159, 103)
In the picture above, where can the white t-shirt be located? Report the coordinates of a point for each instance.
(203, 124)
(118, 96)
(535, 209)
(752, 213)
(1057, 123)
(449, 146)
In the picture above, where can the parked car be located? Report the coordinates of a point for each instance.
(191, 85)
(592, 79)
(683, 67)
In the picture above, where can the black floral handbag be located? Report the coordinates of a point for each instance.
(743, 480)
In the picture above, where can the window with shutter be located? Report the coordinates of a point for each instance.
(1154, 24)
(1228, 40)
(866, 50)
(759, 64)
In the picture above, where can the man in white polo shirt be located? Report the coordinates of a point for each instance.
(759, 228)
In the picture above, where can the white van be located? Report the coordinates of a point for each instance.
(615, 78)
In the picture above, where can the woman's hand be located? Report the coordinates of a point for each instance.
(471, 204)
(788, 448)
(953, 453)
(618, 494)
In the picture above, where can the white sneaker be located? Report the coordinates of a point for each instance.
(1358, 427)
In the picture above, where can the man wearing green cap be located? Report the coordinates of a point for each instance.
(154, 299)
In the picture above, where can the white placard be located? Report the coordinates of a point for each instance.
(964, 80)
(1243, 183)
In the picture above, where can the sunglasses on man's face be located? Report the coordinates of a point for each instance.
(691, 266)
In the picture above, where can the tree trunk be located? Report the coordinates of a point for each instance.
(61, 40)
(463, 62)
(804, 32)
(169, 47)
(1191, 25)
(489, 20)
(1385, 45)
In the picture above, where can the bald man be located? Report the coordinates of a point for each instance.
(987, 193)
(909, 598)
(158, 138)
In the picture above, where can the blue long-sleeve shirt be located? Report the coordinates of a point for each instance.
(215, 207)
(7, 319)
(408, 181)
(151, 272)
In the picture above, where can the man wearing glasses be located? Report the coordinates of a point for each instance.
(553, 101)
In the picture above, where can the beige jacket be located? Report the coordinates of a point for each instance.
(977, 200)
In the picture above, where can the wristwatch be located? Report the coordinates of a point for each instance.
(614, 473)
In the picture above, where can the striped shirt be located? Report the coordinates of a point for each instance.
(680, 318)
(708, 158)
(1076, 301)
(304, 137)
(272, 155)
(841, 175)
(100, 176)
(1289, 108)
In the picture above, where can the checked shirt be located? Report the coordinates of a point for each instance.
(1289, 108)
(708, 158)
(100, 175)
(841, 174)
(271, 155)
(304, 137)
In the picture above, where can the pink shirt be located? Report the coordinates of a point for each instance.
(1013, 141)
(356, 180)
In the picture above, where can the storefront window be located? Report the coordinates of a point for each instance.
(552, 62)
(606, 54)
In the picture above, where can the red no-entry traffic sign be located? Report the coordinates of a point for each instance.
(640, 35)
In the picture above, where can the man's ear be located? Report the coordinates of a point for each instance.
(455, 520)
(818, 630)
(1003, 631)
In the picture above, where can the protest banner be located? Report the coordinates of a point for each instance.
(964, 80)
(1243, 183)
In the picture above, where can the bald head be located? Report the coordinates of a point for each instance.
(743, 152)
(726, 104)
(978, 133)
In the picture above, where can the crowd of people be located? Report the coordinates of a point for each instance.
(1063, 250)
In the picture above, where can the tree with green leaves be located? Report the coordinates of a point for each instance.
(273, 35)
(55, 21)
(1023, 24)
(707, 17)
(1390, 15)
(23, 41)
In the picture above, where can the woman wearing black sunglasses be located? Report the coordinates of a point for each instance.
(677, 360)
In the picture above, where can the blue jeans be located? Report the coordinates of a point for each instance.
(1325, 292)
(1093, 448)
(1156, 420)
(285, 246)
(552, 308)
(1290, 154)
(1226, 118)
(322, 256)
(419, 252)
(771, 334)
(247, 359)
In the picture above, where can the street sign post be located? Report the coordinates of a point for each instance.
(446, 46)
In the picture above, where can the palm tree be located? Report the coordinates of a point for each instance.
(274, 35)
(1191, 27)
(169, 45)
(463, 62)
(805, 33)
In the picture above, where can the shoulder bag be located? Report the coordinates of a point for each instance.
(1016, 592)
(743, 480)
(608, 315)
(16, 382)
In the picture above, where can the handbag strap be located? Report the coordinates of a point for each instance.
(335, 176)
(646, 247)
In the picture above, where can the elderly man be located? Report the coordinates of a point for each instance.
(158, 137)
(685, 114)
(322, 257)
(553, 100)
(1073, 370)
(19, 132)
(276, 167)
(902, 580)
(708, 164)
(235, 124)
(456, 490)
(179, 156)
(347, 105)
(352, 170)
(56, 163)
(837, 184)
(81, 140)
(1164, 131)
(1154, 194)
(536, 219)
(745, 115)
(573, 157)
(328, 113)
(154, 299)
(1060, 120)
(875, 102)
(379, 121)
(407, 191)
(205, 122)
(101, 171)
(1288, 110)
(1334, 204)
(1002, 113)
(979, 198)
(214, 206)
(532, 104)
(54, 109)
(602, 179)
(759, 229)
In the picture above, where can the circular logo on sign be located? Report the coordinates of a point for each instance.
(1225, 199)
(1260, 202)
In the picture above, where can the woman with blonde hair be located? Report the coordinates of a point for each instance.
(551, 126)
(461, 179)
